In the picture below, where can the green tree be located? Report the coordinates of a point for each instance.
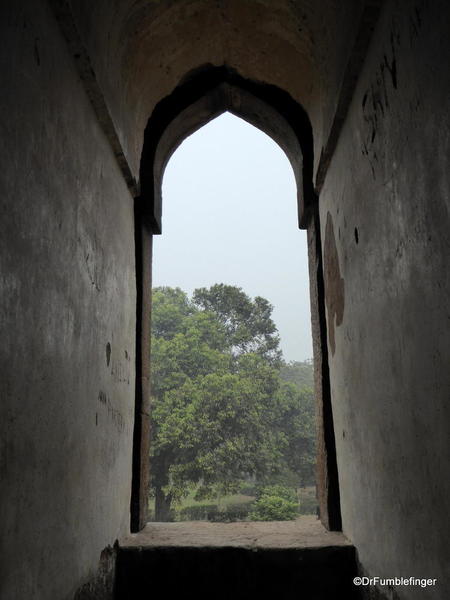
(219, 409)
(296, 420)
(300, 418)
(248, 324)
(300, 373)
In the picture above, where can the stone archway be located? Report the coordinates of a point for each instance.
(200, 97)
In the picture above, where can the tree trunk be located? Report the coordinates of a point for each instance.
(162, 505)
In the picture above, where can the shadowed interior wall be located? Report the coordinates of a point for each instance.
(68, 262)
(385, 228)
(73, 116)
(67, 322)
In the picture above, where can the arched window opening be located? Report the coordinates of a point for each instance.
(233, 414)
(203, 95)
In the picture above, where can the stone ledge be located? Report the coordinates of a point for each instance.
(306, 532)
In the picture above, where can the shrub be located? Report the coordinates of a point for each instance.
(248, 488)
(232, 512)
(279, 491)
(197, 512)
(275, 503)
(211, 512)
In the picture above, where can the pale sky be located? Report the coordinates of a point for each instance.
(230, 216)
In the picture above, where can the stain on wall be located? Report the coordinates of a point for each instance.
(108, 353)
(101, 585)
(377, 99)
(334, 284)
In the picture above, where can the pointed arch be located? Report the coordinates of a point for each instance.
(203, 95)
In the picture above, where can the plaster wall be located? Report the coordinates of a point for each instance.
(67, 350)
(140, 51)
(385, 218)
(67, 272)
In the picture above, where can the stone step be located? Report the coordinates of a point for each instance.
(234, 561)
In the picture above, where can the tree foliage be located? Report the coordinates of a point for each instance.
(248, 324)
(219, 408)
(300, 373)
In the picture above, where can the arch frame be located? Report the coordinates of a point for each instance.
(200, 97)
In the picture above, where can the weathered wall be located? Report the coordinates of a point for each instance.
(67, 322)
(385, 217)
(141, 50)
(67, 267)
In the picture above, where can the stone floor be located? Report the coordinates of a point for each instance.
(306, 532)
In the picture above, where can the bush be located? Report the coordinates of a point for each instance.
(275, 503)
(248, 489)
(233, 512)
(199, 512)
(279, 491)
(211, 512)
(274, 508)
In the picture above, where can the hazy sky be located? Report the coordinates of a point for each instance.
(230, 216)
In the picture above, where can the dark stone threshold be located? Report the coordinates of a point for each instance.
(237, 561)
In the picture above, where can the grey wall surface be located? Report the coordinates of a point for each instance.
(141, 50)
(385, 229)
(67, 271)
(67, 321)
